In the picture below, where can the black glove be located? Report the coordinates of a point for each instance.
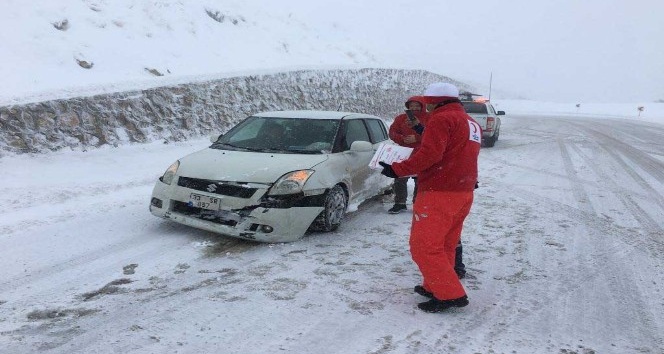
(387, 170)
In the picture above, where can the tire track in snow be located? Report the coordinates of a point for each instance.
(652, 228)
(543, 172)
(616, 281)
(624, 288)
(599, 266)
(578, 191)
(586, 207)
(652, 166)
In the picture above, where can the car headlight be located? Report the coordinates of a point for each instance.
(170, 173)
(291, 183)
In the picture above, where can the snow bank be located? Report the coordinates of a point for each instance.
(651, 111)
(201, 108)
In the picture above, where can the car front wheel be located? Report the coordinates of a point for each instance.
(335, 208)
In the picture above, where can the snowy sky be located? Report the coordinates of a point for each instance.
(566, 51)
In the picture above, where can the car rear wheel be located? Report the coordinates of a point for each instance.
(335, 208)
(490, 142)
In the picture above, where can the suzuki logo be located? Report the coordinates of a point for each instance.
(211, 187)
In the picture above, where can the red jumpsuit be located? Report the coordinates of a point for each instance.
(446, 165)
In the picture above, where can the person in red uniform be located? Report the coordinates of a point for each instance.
(408, 133)
(446, 165)
(402, 133)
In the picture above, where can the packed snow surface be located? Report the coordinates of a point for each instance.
(564, 248)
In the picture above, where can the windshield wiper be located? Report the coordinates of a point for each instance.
(307, 152)
(216, 146)
(216, 143)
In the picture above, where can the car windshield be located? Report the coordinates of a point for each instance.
(474, 107)
(285, 135)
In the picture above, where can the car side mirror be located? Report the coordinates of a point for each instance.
(215, 137)
(361, 146)
(500, 113)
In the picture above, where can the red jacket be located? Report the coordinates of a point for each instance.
(400, 128)
(447, 157)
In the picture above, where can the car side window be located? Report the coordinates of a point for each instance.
(355, 130)
(377, 130)
(491, 110)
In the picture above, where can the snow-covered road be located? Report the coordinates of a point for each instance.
(565, 249)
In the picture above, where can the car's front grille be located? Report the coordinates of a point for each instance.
(217, 187)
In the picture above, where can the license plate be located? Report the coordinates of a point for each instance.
(204, 202)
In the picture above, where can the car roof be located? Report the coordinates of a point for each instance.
(314, 114)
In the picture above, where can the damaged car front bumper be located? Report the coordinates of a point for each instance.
(237, 210)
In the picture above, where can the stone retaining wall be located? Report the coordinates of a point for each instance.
(191, 110)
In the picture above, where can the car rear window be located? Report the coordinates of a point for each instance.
(474, 107)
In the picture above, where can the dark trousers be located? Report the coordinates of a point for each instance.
(400, 188)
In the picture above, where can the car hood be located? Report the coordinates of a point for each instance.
(243, 166)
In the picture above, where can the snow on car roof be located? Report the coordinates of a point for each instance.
(314, 114)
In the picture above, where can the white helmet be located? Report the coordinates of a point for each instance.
(441, 89)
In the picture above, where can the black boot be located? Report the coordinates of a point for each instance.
(397, 208)
(435, 305)
(459, 267)
(422, 291)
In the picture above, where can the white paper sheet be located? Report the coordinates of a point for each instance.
(389, 153)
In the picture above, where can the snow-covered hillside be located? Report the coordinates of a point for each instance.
(50, 47)
(588, 51)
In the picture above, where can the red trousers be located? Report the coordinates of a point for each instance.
(436, 230)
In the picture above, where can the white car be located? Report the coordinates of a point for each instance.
(276, 175)
(487, 117)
